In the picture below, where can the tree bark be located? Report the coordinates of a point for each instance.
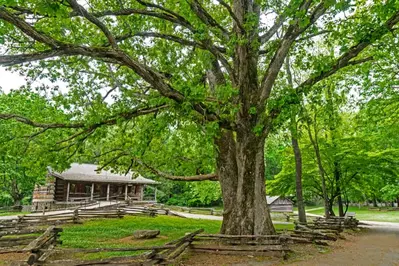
(298, 179)
(375, 202)
(315, 144)
(297, 153)
(227, 171)
(330, 208)
(253, 215)
(15, 193)
(241, 170)
(337, 176)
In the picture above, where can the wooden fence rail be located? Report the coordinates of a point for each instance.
(155, 255)
(242, 244)
(76, 216)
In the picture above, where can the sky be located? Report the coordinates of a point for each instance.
(10, 80)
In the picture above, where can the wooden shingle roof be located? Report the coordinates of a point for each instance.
(89, 173)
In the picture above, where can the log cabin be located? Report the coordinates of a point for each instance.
(279, 204)
(84, 183)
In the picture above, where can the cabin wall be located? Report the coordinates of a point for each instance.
(281, 205)
(60, 190)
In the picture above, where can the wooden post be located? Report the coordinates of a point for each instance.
(68, 188)
(108, 192)
(92, 191)
(76, 216)
(126, 192)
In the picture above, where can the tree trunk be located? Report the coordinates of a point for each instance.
(298, 180)
(251, 206)
(337, 176)
(297, 153)
(397, 202)
(331, 208)
(227, 172)
(246, 208)
(375, 202)
(15, 194)
(315, 144)
(241, 170)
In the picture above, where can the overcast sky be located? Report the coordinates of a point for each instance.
(10, 80)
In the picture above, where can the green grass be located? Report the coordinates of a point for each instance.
(117, 233)
(363, 213)
(12, 213)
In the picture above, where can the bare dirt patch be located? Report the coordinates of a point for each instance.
(371, 248)
(9, 258)
(367, 248)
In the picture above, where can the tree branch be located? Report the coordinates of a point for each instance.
(277, 61)
(26, 28)
(116, 56)
(168, 37)
(307, 37)
(113, 120)
(109, 121)
(82, 11)
(269, 34)
(132, 11)
(32, 123)
(174, 14)
(207, 19)
(232, 14)
(354, 51)
(211, 177)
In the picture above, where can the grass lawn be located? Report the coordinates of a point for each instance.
(12, 213)
(118, 232)
(363, 213)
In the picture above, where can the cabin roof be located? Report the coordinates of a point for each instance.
(271, 199)
(89, 173)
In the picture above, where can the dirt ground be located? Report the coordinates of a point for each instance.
(370, 248)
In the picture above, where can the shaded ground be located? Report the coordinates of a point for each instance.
(371, 248)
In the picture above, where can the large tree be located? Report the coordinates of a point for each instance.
(212, 63)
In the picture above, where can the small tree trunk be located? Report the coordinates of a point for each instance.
(337, 176)
(298, 180)
(375, 202)
(315, 144)
(297, 153)
(397, 202)
(331, 208)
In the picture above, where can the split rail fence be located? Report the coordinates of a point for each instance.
(80, 214)
(154, 255)
(38, 242)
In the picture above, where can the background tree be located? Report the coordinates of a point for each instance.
(24, 151)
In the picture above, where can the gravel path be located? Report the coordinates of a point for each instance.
(213, 217)
(378, 247)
